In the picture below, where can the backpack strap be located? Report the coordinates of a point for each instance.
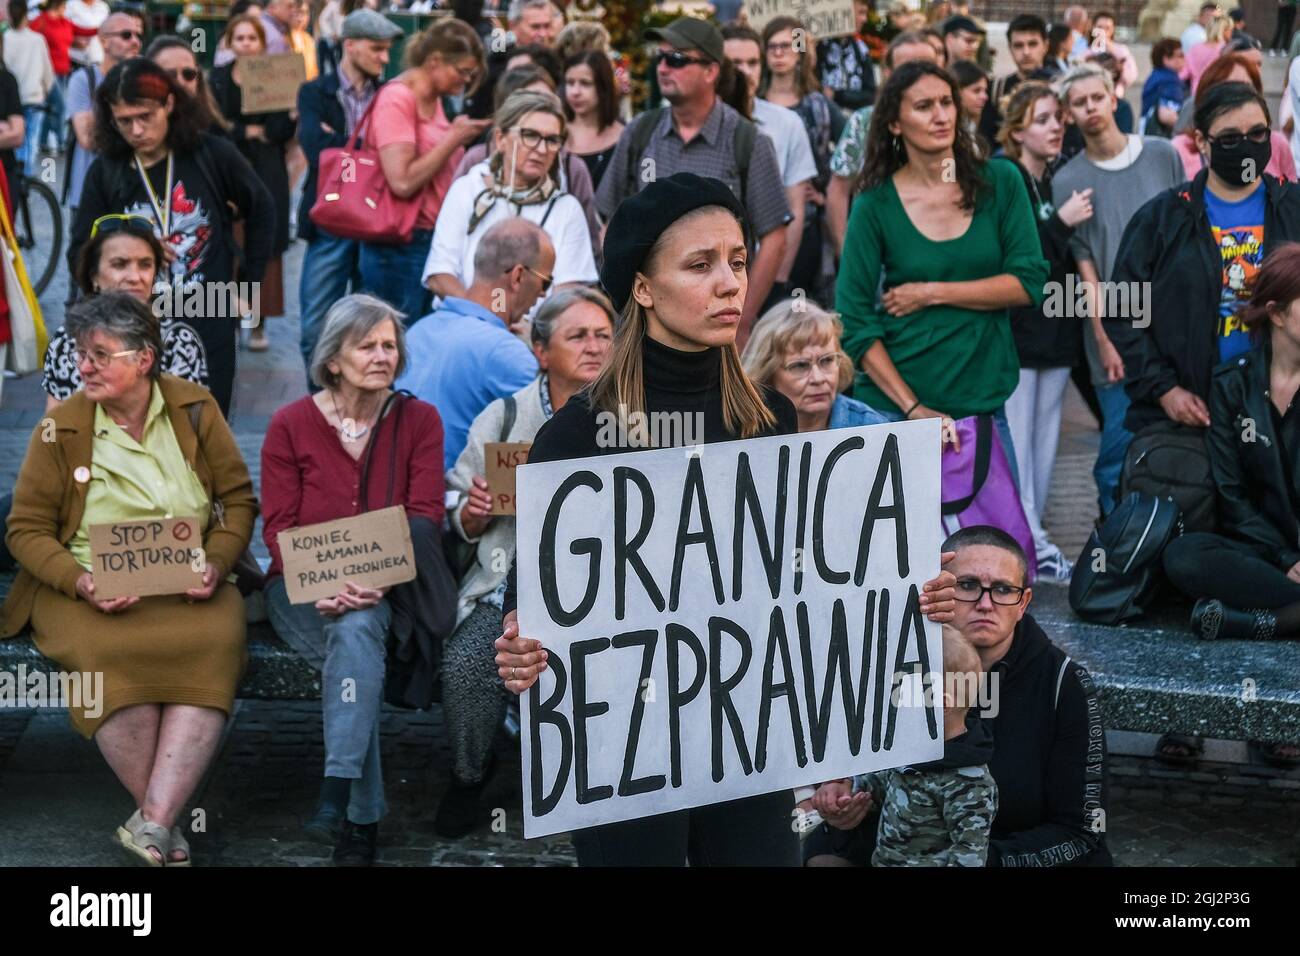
(643, 127)
(743, 144)
(508, 419)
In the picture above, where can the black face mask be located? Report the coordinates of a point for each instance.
(1243, 165)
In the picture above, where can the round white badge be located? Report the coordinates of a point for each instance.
(82, 475)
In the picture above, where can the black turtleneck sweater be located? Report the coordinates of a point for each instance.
(675, 381)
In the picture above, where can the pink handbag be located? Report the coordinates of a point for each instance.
(353, 200)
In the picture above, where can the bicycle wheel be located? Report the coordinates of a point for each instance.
(38, 227)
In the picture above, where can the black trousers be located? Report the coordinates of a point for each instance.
(1210, 565)
(1285, 23)
(753, 831)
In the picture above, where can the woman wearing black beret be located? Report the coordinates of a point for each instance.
(675, 268)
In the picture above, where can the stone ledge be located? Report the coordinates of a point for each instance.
(1153, 678)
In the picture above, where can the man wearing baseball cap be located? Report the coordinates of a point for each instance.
(329, 109)
(699, 133)
(961, 38)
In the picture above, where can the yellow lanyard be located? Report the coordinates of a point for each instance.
(161, 209)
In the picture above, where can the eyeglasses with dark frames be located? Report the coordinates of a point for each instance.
(534, 140)
(971, 591)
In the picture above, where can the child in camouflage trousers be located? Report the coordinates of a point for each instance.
(939, 813)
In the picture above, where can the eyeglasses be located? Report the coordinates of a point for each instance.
(468, 74)
(547, 281)
(533, 139)
(98, 357)
(802, 368)
(780, 47)
(675, 60)
(1233, 139)
(186, 73)
(124, 35)
(121, 222)
(971, 591)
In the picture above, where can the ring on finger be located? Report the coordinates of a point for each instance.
(512, 673)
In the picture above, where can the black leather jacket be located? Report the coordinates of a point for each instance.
(1257, 492)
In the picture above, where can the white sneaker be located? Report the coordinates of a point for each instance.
(1055, 567)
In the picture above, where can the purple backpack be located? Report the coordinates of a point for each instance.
(978, 487)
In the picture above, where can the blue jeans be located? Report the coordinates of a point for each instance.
(1115, 439)
(28, 153)
(329, 264)
(349, 651)
(393, 274)
(53, 122)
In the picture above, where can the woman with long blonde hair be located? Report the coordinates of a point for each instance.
(675, 267)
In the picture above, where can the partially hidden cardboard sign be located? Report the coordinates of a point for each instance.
(143, 558)
(502, 458)
(371, 549)
(822, 19)
(269, 83)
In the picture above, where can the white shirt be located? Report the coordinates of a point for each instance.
(1192, 36)
(794, 157)
(87, 14)
(27, 57)
(453, 248)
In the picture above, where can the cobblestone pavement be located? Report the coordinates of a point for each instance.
(59, 802)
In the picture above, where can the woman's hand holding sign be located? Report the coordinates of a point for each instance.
(476, 515)
(519, 659)
(840, 806)
(353, 597)
(211, 578)
(86, 589)
(939, 596)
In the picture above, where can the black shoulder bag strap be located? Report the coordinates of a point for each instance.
(508, 418)
(746, 130)
(983, 451)
(392, 449)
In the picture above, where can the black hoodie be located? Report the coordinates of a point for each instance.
(1049, 758)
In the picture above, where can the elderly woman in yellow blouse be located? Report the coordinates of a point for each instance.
(135, 444)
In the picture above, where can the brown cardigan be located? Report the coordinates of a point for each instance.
(48, 500)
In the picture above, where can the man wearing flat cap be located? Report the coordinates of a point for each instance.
(329, 109)
(699, 133)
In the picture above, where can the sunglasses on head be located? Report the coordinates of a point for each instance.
(186, 73)
(121, 222)
(675, 60)
(1233, 139)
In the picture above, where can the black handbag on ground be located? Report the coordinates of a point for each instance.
(1119, 573)
(1169, 460)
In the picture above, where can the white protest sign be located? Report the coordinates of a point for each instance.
(821, 18)
(727, 623)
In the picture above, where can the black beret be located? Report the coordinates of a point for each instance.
(641, 219)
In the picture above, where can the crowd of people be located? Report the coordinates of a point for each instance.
(794, 238)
